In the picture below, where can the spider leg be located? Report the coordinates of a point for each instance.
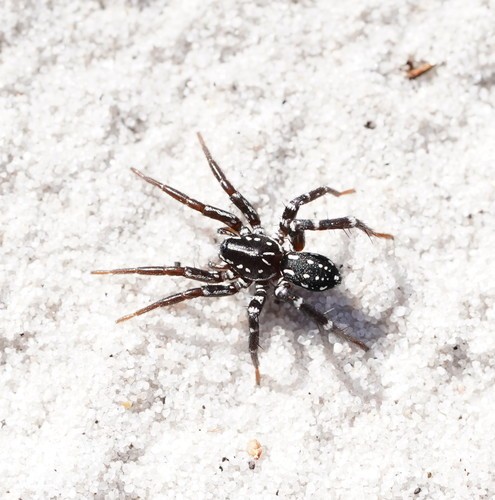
(324, 324)
(299, 225)
(237, 199)
(293, 206)
(254, 310)
(188, 272)
(227, 231)
(223, 216)
(192, 293)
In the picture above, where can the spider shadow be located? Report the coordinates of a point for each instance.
(343, 313)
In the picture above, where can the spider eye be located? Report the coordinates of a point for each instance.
(310, 270)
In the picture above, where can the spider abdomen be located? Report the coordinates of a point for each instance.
(310, 270)
(254, 256)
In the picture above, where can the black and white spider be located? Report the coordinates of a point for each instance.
(250, 257)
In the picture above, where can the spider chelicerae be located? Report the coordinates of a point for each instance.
(250, 257)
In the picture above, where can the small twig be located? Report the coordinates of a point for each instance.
(415, 72)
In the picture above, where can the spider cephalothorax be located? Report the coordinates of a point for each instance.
(252, 258)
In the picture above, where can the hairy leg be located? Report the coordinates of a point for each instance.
(223, 216)
(293, 206)
(324, 324)
(204, 291)
(300, 225)
(237, 199)
(254, 310)
(187, 272)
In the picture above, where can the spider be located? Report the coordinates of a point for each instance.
(250, 257)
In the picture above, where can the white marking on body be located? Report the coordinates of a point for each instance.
(289, 272)
(265, 261)
(260, 271)
(257, 239)
(304, 285)
(311, 261)
(352, 221)
(323, 287)
(317, 278)
(259, 299)
(248, 238)
(294, 257)
(253, 309)
(269, 243)
(336, 277)
(320, 265)
(328, 325)
(239, 266)
(326, 268)
(298, 302)
(268, 253)
(306, 275)
(248, 270)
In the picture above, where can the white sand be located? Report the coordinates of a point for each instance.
(282, 92)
